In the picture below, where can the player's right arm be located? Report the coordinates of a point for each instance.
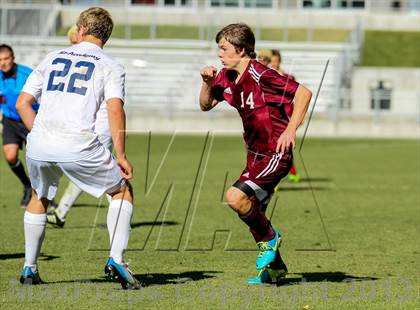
(30, 93)
(207, 100)
(24, 108)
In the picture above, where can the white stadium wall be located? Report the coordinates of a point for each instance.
(404, 84)
(261, 18)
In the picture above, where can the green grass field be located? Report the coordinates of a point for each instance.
(191, 252)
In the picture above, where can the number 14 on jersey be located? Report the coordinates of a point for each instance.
(249, 101)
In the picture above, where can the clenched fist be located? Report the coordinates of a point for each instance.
(208, 74)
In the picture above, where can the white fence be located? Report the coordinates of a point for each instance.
(163, 83)
(164, 75)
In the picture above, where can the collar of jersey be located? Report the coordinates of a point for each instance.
(85, 43)
(245, 72)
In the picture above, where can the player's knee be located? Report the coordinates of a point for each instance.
(36, 205)
(130, 189)
(236, 199)
(124, 192)
(11, 157)
(11, 161)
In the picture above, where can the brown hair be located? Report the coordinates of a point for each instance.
(276, 53)
(240, 36)
(5, 47)
(98, 23)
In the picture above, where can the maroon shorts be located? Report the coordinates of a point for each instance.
(264, 171)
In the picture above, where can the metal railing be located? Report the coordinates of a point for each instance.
(342, 5)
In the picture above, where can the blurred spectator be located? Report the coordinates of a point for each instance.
(264, 57)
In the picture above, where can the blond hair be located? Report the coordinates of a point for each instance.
(97, 22)
(265, 55)
(72, 34)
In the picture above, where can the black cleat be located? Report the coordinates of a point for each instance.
(54, 219)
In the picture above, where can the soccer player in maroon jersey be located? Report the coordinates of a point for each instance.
(262, 97)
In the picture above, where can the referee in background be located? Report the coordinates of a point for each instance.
(12, 78)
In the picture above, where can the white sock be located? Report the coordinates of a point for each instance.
(34, 227)
(66, 202)
(122, 231)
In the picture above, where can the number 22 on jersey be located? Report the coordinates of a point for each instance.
(73, 78)
(249, 101)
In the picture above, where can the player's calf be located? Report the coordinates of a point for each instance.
(266, 237)
(34, 221)
(248, 211)
(118, 222)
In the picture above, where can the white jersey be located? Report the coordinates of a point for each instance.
(102, 127)
(102, 124)
(73, 83)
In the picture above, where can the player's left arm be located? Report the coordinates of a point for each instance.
(117, 121)
(114, 93)
(24, 108)
(301, 103)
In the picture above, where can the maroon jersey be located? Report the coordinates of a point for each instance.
(263, 98)
(289, 108)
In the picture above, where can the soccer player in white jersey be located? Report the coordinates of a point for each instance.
(74, 82)
(57, 216)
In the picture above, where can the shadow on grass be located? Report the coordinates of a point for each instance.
(173, 278)
(152, 279)
(336, 276)
(90, 205)
(133, 225)
(22, 255)
(302, 188)
(315, 179)
(152, 223)
(140, 224)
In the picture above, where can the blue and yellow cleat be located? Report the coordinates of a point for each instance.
(267, 275)
(29, 277)
(268, 250)
(120, 272)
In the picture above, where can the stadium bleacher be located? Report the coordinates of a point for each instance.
(161, 74)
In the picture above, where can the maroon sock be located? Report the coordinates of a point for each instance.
(258, 224)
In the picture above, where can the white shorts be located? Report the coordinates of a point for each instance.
(97, 174)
